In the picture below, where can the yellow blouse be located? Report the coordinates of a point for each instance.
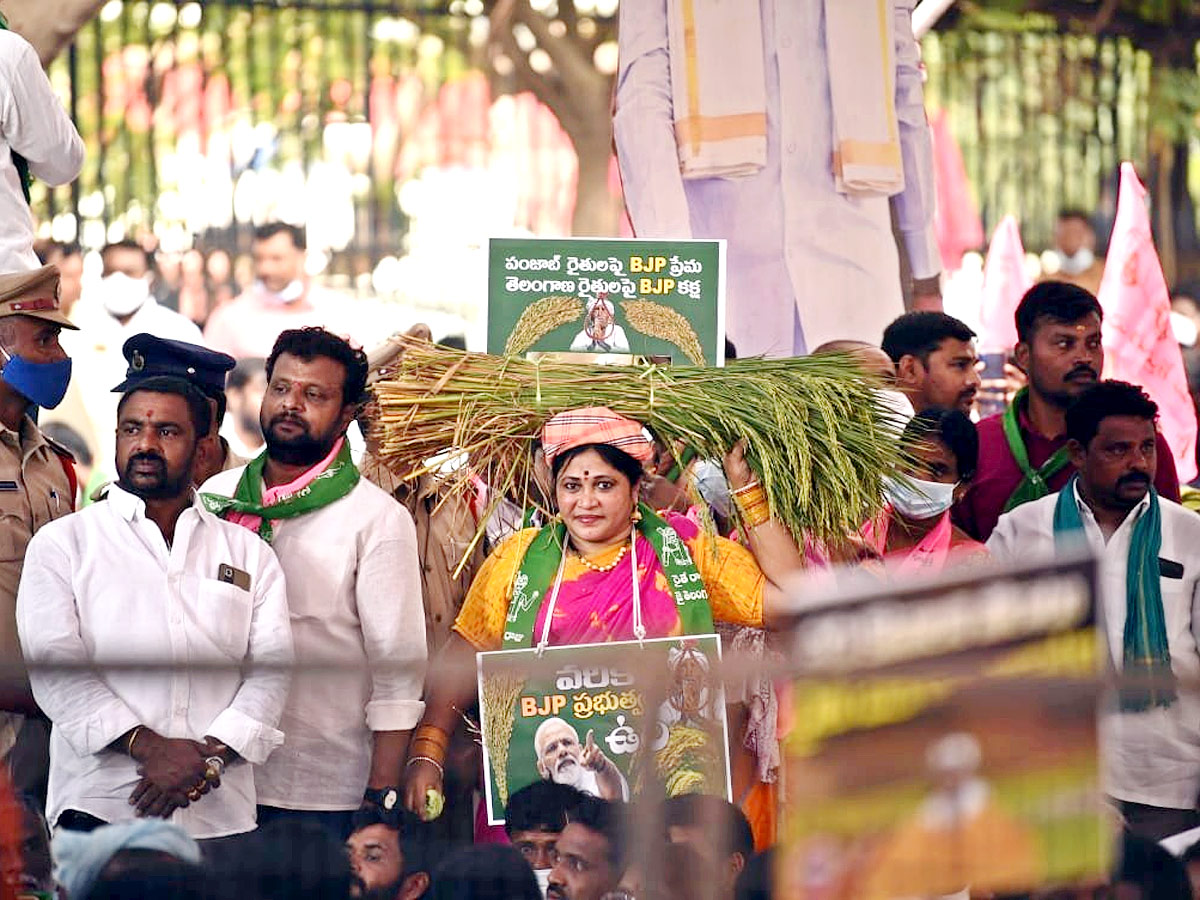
(732, 578)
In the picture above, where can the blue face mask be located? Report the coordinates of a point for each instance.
(42, 383)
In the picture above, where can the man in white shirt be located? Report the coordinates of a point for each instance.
(151, 576)
(124, 301)
(35, 128)
(354, 589)
(1149, 550)
(282, 297)
(120, 307)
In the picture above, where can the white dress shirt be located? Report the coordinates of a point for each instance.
(355, 595)
(34, 124)
(102, 585)
(1150, 757)
(796, 247)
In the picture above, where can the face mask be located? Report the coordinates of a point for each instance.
(916, 499)
(290, 294)
(543, 879)
(42, 383)
(1076, 264)
(122, 295)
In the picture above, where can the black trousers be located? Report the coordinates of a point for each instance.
(1156, 822)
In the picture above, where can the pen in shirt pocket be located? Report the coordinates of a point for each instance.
(54, 496)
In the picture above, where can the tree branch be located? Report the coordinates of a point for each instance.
(564, 53)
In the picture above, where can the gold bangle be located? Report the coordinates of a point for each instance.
(430, 741)
(752, 502)
(433, 734)
(753, 493)
(133, 736)
(752, 523)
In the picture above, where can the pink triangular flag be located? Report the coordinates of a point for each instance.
(956, 222)
(1005, 281)
(1138, 344)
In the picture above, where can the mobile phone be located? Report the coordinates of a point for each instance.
(991, 397)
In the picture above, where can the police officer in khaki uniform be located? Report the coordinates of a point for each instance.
(445, 529)
(37, 482)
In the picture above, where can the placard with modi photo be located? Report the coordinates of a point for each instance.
(577, 715)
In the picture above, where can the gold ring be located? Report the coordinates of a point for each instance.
(212, 773)
(194, 795)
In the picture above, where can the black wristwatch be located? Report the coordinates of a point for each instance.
(386, 798)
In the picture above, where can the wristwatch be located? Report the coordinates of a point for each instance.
(386, 798)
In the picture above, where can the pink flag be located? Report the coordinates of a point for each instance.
(1005, 281)
(1138, 344)
(957, 224)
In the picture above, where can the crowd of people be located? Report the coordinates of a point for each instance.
(251, 644)
(228, 571)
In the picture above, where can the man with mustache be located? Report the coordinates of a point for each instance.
(151, 575)
(1149, 552)
(563, 759)
(935, 360)
(592, 852)
(390, 855)
(148, 356)
(1023, 451)
(350, 555)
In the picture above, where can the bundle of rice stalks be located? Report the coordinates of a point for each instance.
(664, 323)
(539, 319)
(817, 438)
(498, 705)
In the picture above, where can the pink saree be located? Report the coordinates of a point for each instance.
(597, 607)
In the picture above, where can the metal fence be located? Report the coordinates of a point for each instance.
(202, 118)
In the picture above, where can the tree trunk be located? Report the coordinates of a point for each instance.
(597, 211)
(1162, 162)
(50, 25)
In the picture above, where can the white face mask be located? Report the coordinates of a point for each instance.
(290, 294)
(1077, 263)
(916, 499)
(123, 295)
(543, 879)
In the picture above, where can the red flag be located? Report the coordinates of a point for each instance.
(1138, 344)
(1005, 281)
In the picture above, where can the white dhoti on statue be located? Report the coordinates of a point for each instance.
(807, 262)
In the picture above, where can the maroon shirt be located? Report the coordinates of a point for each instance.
(997, 475)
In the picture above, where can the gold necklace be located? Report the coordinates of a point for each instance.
(606, 568)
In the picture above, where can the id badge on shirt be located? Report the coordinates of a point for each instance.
(231, 575)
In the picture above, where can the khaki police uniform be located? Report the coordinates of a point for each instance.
(34, 485)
